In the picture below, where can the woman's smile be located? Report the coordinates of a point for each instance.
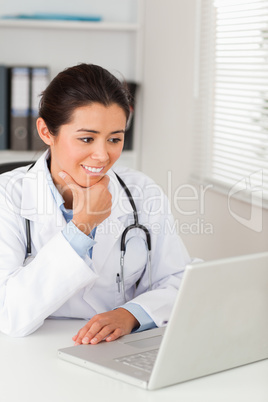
(93, 170)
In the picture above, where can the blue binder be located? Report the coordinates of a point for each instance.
(39, 82)
(19, 81)
(3, 107)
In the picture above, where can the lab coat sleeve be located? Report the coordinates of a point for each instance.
(144, 319)
(29, 294)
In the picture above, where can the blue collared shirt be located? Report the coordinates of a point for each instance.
(83, 245)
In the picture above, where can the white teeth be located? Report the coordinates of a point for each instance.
(93, 170)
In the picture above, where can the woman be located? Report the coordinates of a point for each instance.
(77, 211)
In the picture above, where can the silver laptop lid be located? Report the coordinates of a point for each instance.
(220, 320)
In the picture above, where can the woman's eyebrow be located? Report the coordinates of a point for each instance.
(118, 132)
(87, 130)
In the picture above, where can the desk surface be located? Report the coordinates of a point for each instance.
(31, 371)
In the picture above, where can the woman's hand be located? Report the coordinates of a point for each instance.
(108, 326)
(91, 205)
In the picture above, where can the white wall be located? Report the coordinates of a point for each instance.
(209, 228)
(167, 89)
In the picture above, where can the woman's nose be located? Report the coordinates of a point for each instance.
(100, 153)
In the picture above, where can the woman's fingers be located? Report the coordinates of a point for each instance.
(98, 336)
(108, 326)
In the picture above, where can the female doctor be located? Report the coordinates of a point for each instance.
(63, 218)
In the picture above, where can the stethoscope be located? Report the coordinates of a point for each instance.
(136, 225)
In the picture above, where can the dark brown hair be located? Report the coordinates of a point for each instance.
(79, 86)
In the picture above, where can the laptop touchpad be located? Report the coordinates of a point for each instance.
(147, 342)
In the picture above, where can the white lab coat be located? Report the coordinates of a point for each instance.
(58, 282)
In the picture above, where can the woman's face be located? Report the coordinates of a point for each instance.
(88, 146)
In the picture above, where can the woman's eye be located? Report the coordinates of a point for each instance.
(115, 140)
(86, 139)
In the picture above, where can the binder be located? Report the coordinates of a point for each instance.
(3, 107)
(19, 88)
(39, 81)
(129, 135)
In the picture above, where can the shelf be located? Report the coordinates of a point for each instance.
(18, 156)
(115, 42)
(75, 25)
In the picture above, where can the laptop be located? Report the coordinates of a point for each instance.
(219, 321)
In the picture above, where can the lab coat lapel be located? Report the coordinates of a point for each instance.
(108, 234)
(38, 204)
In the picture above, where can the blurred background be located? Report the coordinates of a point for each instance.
(200, 113)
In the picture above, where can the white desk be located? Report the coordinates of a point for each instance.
(31, 371)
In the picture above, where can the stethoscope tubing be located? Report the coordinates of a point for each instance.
(135, 225)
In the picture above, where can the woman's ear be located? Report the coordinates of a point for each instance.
(43, 132)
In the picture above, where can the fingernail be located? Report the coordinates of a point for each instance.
(85, 340)
(62, 175)
(94, 340)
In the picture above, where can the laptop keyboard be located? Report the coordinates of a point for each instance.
(143, 361)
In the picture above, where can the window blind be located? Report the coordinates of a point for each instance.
(232, 93)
